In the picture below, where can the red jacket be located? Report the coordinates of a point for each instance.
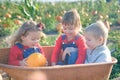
(80, 43)
(16, 54)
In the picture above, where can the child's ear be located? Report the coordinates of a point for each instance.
(22, 38)
(101, 40)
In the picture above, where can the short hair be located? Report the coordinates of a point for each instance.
(98, 30)
(72, 17)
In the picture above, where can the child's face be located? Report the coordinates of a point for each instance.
(91, 41)
(70, 31)
(31, 39)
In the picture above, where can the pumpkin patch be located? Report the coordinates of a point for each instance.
(36, 60)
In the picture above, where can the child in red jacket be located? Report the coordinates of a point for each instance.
(25, 42)
(71, 41)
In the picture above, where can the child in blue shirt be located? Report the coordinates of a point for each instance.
(96, 37)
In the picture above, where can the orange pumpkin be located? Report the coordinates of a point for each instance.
(36, 60)
(18, 22)
(8, 15)
(58, 18)
(5, 25)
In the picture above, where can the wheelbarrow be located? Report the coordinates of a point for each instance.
(92, 71)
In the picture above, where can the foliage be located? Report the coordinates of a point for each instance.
(116, 68)
(46, 12)
(29, 9)
(49, 40)
(114, 38)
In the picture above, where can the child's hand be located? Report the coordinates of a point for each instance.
(68, 51)
(23, 62)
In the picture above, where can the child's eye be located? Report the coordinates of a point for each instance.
(35, 39)
(38, 39)
(88, 39)
(70, 28)
(32, 39)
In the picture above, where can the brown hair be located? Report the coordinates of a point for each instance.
(72, 18)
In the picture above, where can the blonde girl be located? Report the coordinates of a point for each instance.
(25, 42)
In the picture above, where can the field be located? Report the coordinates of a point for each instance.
(13, 14)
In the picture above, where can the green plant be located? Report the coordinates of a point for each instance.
(114, 39)
(29, 9)
(49, 40)
(116, 68)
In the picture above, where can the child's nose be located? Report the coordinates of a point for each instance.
(36, 41)
(67, 31)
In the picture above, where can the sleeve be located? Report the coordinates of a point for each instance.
(104, 57)
(15, 56)
(56, 50)
(81, 50)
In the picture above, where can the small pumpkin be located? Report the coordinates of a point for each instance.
(5, 25)
(58, 18)
(8, 15)
(36, 60)
(18, 22)
(48, 15)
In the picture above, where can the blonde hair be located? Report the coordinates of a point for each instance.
(72, 18)
(28, 26)
(98, 30)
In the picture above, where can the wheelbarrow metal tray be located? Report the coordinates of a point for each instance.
(94, 71)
